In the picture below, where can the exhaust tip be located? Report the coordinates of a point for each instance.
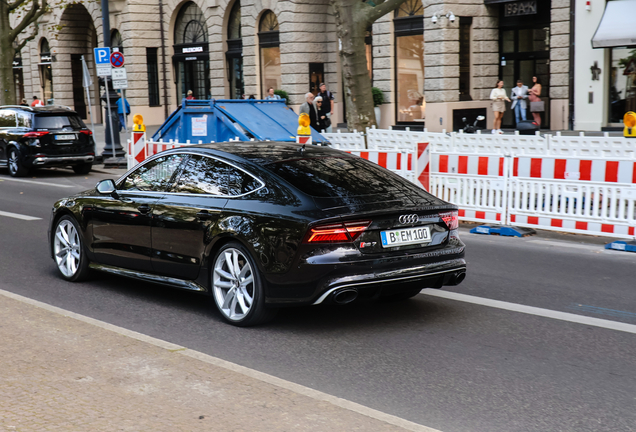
(457, 278)
(345, 296)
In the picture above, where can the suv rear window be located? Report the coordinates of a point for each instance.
(59, 121)
(336, 177)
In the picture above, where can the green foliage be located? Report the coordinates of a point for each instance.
(378, 96)
(283, 95)
(625, 61)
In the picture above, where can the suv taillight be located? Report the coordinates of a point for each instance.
(336, 233)
(36, 134)
(451, 219)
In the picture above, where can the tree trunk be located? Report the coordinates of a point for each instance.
(351, 25)
(7, 84)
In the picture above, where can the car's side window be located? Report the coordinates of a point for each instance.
(156, 176)
(240, 182)
(203, 175)
(7, 119)
(24, 120)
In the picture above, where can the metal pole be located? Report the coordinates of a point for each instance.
(123, 96)
(88, 96)
(110, 118)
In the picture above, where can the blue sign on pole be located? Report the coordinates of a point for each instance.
(102, 55)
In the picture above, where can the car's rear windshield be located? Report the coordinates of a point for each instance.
(59, 121)
(336, 177)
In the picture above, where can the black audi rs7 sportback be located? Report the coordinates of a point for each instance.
(262, 225)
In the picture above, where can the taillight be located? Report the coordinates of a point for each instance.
(86, 132)
(451, 219)
(35, 134)
(336, 233)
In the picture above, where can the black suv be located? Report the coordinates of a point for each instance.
(44, 137)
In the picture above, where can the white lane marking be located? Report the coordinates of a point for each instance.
(566, 244)
(530, 310)
(215, 361)
(35, 182)
(19, 216)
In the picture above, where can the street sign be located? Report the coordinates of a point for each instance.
(102, 61)
(117, 59)
(119, 74)
(120, 84)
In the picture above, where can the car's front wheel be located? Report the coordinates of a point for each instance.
(16, 168)
(68, 250)
(237, 287)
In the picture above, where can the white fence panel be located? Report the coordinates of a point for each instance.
(592, 147)
(339, 140)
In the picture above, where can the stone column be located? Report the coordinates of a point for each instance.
(559, 64)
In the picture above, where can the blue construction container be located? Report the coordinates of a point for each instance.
(231, 119)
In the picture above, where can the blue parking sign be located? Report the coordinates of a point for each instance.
(102, 56)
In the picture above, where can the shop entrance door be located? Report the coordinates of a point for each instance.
(194, 75)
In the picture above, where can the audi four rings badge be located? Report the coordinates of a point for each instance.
(409, 219)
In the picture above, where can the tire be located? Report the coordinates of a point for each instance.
(69, 251)
(16, 169)
(237, 287)
(84, 168)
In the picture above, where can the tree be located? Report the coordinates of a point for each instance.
(353, 17)
(24, 13)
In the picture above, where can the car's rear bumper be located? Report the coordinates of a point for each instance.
(61, 160)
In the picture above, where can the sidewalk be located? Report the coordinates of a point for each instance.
(65, 372)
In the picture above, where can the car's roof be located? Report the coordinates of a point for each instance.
(262, 153)
(51, 109)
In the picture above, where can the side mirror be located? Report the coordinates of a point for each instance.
(480, 118)
(106, 187)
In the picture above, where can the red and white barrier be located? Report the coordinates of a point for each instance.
(573, 169)
(400, 162)
(136, 149)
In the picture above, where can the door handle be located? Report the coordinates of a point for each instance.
(205, 215)
(144, 208)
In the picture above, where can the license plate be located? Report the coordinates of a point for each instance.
(405, 236)
(65, 137)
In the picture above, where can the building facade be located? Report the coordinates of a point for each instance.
(435, 60)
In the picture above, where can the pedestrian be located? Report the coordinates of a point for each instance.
(519, 95)
(37, 102)
(498, 97)
(189, 95)
(321, 115)
(24, 103)
(537, 106)
(271, 95)
(122, 112)
(327, 102)
(308, 108)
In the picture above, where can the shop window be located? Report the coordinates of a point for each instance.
(191, 56)
(316, 76)
(153, 76)
(622, 76)
(234, 53)
(464, 58)
(46, 74)
(368, 44)
(409, 43)
(269, 42)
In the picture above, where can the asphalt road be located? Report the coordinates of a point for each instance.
(447, 364)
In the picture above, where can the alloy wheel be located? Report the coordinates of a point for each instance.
(13, 162)
(67, 248)
(233, 284)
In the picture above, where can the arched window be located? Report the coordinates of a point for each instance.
(234, 53)
(46, 74)
(191, 53)
(409, 50)
(269, 42)
(116, 41)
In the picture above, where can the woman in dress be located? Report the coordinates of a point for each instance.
(498, 97)
(533, 96)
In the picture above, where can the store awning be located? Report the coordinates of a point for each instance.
(617, 27)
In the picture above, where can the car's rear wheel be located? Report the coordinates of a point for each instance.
(16, 168)
(237, 287)
(83, 168)
(68, 250)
